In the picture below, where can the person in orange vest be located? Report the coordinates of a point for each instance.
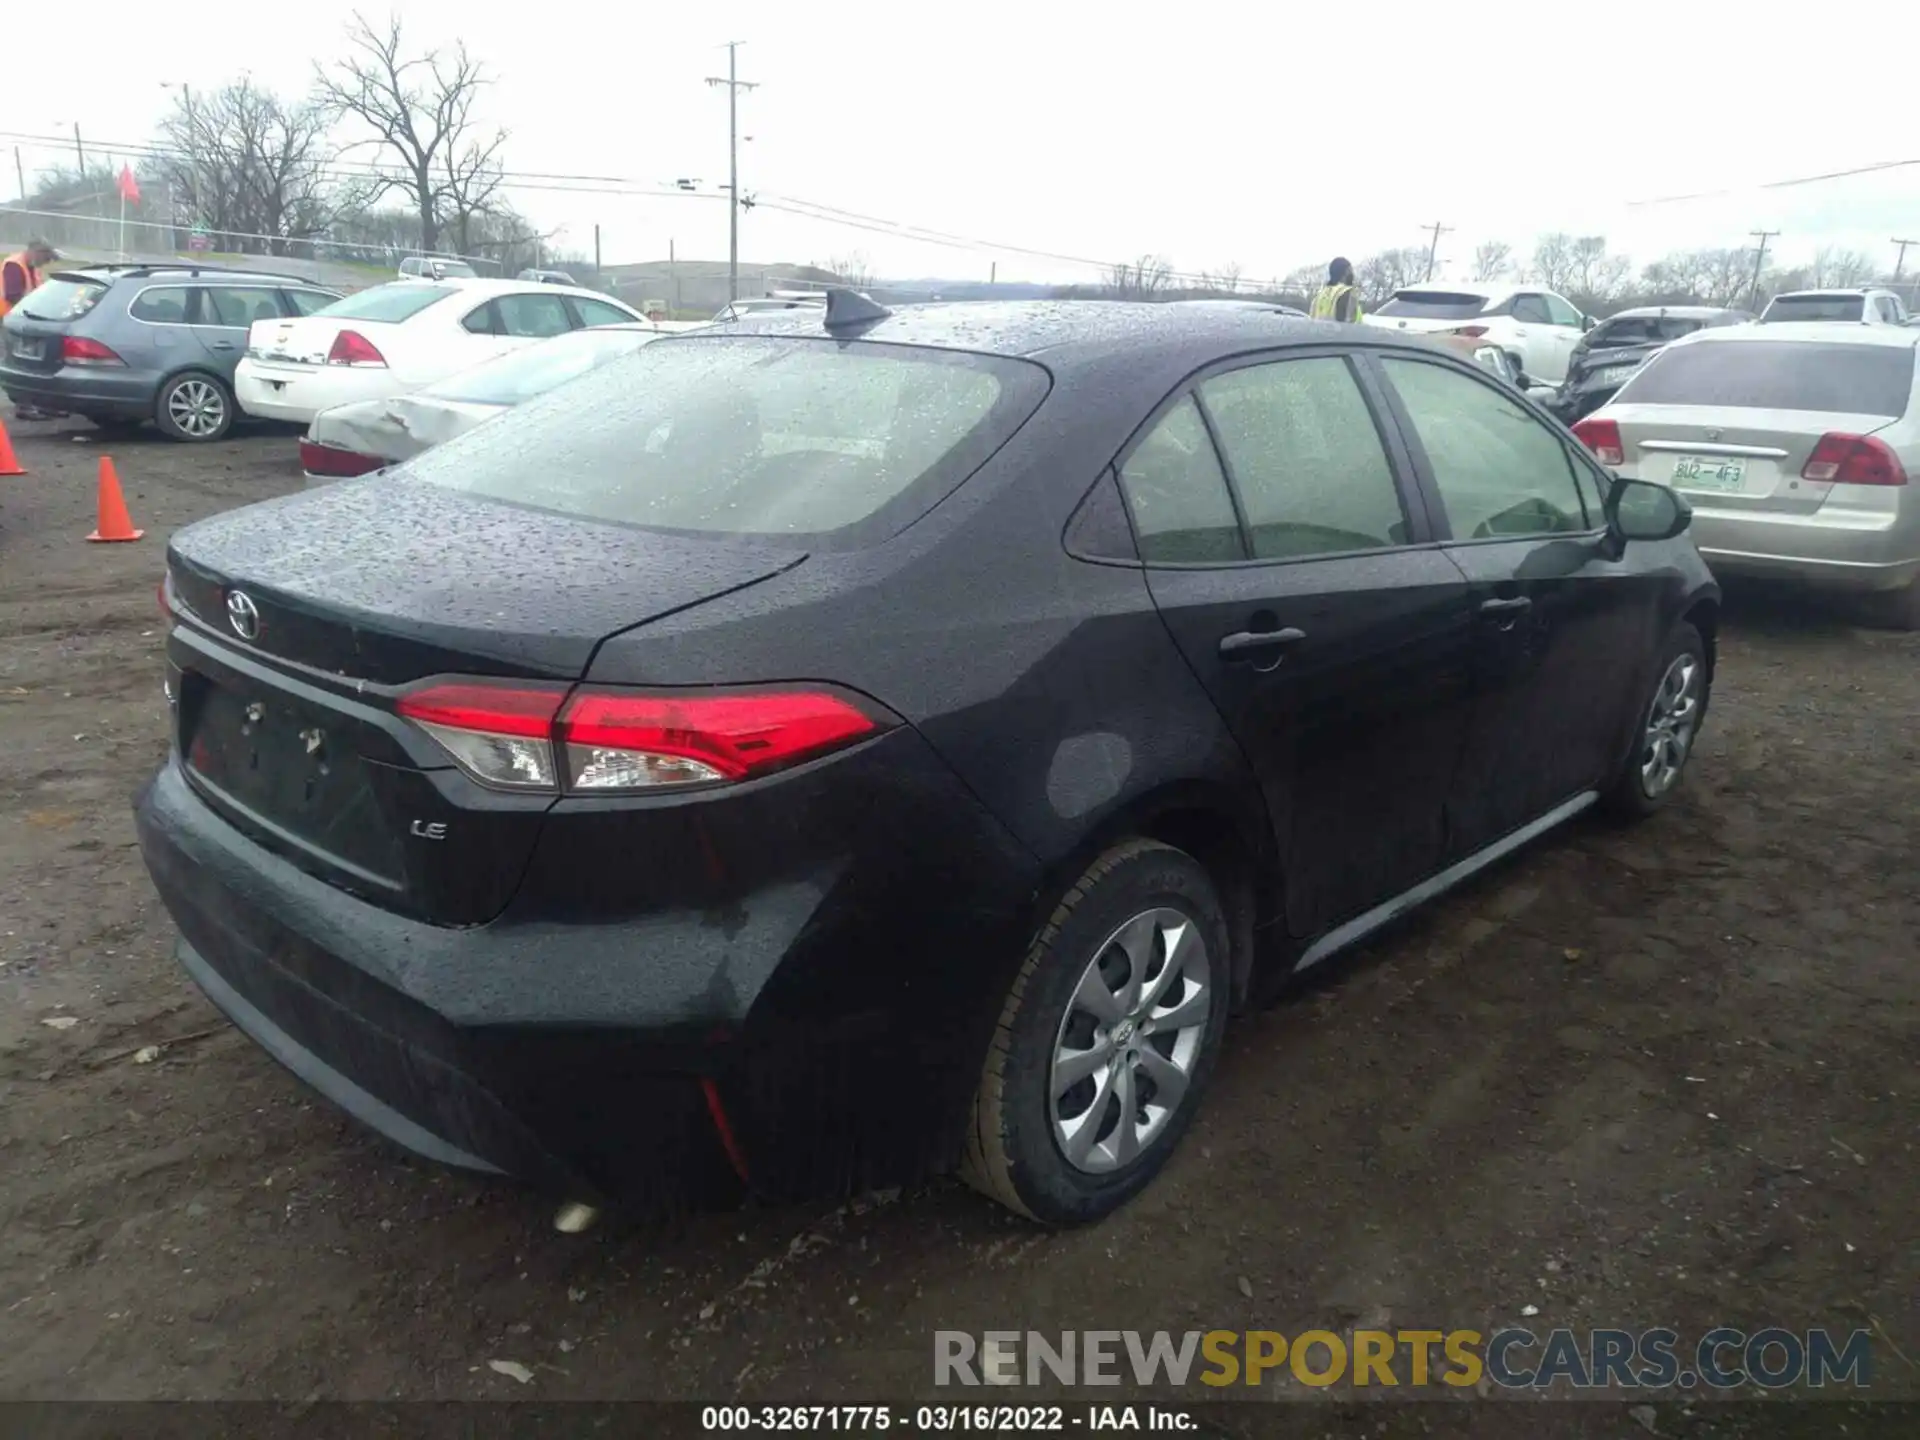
(19, 274)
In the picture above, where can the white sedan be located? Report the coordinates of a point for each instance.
(393, 339)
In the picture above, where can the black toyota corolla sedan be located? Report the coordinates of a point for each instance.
(861, 744)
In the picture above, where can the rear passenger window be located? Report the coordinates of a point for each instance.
(483, 321)
(236, 307)
(598, 312)
(166, 306)
(1306, 458)
(1500, 471)
(534, 316)
(1177, 492)
(305, 302)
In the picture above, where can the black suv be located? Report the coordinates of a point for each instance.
(122, 344)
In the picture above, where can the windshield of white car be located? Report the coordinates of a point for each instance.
(1433, 305)
(522, 374)
(1777, 375)
(401, 300)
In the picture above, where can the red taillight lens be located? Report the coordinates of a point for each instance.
(318, 459)
(78, 350)
(632, 742)
(611, 742)
(350, 347)
(1853, 460)
(1602, 437)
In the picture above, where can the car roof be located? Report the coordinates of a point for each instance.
(211, 274)
(1845, 293)
(1485, 289)
(487, 285)
(1155, 344)
(1820, 332)
(1682, 312)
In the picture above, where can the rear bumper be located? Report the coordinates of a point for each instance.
(297, 393)
(1834, 548)
(837, 1020)
(98, 391)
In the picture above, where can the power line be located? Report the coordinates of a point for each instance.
(1777, 184)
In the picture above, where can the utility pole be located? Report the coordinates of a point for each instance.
(1899, 263)
(596, 252)
(734, 86)
(1759, 261)
(1433, 250)
(20, 173)
(78, 148)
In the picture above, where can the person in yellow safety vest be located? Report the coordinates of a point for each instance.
(20, 272)
(1338, 299)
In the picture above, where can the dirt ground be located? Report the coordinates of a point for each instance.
(1661, 1076)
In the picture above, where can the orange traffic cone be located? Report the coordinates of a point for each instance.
(9, 462)
(115, 523)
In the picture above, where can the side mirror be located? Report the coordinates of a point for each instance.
(1587, 322)
(1642, 510)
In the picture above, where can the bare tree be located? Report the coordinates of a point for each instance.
(1594, 277)
(252, 165)
(853, 268)
(1230, 277)
(1552, 261)
(1492, 259)
(1142, 279)
(1390, 270)
(420, 108)
(1840, 269)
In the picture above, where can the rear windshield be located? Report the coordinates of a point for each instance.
(753, 435)
(1641, 330)
(1817, 307)
(519, 375)
(401, 300)
(61, 298)
(1433, 305)
(1778, 375)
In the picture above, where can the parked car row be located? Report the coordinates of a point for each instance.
(899, 740)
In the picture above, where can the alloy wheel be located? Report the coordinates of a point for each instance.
(197, 408)
(1127, 1046)
(1671, 721)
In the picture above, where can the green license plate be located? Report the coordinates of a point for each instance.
(1700, 472)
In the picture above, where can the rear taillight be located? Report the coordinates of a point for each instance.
(350, 347)
(603, 742)
(1853, 460)
(78, 350)
(1602, 437)
(318, 459)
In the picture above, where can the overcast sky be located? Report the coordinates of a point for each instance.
(1210, 133)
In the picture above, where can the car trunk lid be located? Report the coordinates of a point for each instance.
(285, 688)
(1735, 460)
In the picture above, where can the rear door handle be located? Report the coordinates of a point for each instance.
(1515, 605)
(1244, 644)
(223, 345)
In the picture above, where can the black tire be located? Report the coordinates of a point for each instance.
(194, 393)
(1012, 1153)
(1897, 609)
(1633, 795)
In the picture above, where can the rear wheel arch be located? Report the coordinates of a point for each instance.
(1223, 835)
(1704, 615)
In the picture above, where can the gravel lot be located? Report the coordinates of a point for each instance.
(1662, 1076)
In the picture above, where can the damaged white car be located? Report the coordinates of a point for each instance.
(370, 435)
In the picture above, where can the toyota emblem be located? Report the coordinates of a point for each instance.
(243, 614)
